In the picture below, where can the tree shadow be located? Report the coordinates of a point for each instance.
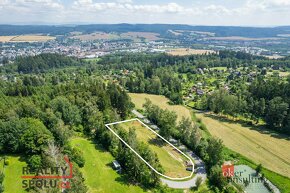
(247, 125)
(157, 142)
(124, 180)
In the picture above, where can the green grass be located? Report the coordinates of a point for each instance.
(98, 173)
(219, 68)
(13, 172)
(94, 60)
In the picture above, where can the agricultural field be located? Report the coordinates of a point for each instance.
(261, 146)
(26, 38)
(137, 35)
(95, 36)
(13, 172)
(173, 162)
(109, 36)
(185, 51)
(239, 38)
(97, 171)
(162, 102)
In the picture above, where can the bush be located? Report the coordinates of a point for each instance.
(6, 162)
(1, 188)
(1, 178)
(259, 169)
(35, 161)
(78, 157)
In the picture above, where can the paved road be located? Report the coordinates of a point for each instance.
(199, 169)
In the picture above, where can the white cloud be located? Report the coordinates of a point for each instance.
(125, 1)
(114, 11)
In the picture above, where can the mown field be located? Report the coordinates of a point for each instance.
(13, 172)
(26, 38)
(171, 161)
(98, 173)
(255, 146)
(265, 147)
(162, 102)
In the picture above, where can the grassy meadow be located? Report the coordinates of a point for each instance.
(162, 102)
(98, 173)
(13, 172)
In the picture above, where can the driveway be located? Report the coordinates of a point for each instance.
(199, 170)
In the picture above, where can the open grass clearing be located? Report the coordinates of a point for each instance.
(261, 146)
(172, 161)
(13, 172)
(97, 171)
(186, 51)
(162, 102)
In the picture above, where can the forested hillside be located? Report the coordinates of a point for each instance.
(251, 93)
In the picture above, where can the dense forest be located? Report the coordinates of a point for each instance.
(39, 114)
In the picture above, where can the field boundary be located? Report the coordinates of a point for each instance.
(136, 119)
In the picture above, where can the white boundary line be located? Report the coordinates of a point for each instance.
(136, 119)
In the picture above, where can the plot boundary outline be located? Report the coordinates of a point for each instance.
(136, 119)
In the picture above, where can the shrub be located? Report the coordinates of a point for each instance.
(1, 178)
(34, 161)
(6, 162)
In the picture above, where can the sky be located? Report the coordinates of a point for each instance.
(193, 12)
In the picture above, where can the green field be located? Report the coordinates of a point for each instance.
(13, 172)
(98, 173)
(162, 102)
(171, 161)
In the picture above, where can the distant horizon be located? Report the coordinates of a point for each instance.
(196, 12)
(79, 24)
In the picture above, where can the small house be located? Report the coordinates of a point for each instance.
(199, 92)
(173, 141)
(182, 148)
(188, 164)
(155, 127)
(146, 121)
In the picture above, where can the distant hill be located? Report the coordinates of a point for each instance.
(220, 31)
